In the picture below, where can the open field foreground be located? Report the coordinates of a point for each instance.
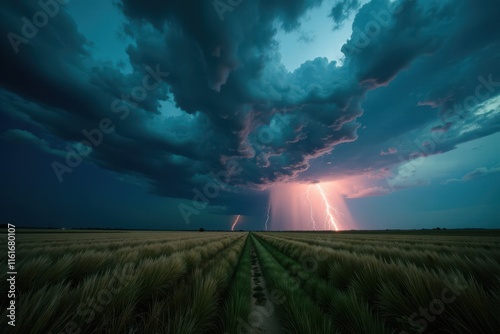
(259, 282)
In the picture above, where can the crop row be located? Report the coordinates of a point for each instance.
(404, 296)
(201, 283)
(435, 242)
(74, 267)
(74, 247)
(481, 250)
(479, 264)
(296, 311)
(113, 297)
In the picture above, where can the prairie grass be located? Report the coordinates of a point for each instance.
(297, 313)
(74, 267)
(200, 283)
(348, 313)
(396, 289)
(478, 262)
(237, 302)
(42, 309)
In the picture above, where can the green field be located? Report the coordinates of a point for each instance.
(259, 282)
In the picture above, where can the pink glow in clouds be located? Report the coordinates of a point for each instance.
(301, 206)
(365, 185)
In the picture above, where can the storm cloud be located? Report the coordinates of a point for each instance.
(208, 92)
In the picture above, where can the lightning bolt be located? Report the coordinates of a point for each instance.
(328, 212)
(311, 207)
(235, 222)
(267, 215)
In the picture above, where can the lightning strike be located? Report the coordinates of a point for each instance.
(328, 212)
(311, 208)
(235, 222)
(308, 206)
(269, 208)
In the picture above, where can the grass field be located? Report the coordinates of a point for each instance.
(260, 282)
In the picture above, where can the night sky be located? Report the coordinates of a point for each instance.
(186, 114)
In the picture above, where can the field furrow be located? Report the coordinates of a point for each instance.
(254, 283)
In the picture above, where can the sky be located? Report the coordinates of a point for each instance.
(297, 114)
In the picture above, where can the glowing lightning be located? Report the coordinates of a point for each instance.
(328, 208)
(311, 207)
(267, 215)
(235, 222)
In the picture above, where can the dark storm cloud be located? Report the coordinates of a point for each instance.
(428, 60)
(240, 103)
(341, 11)
(71, 93)
(53, 80)
(231, 72)
(26, 137)
(386, 38)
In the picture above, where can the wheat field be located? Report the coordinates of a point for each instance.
(257, 282)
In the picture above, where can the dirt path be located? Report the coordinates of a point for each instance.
(262, 313)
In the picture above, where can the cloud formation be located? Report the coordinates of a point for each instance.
(390, 150)
(477, 173)
(368, 192)
(341, 11)
(26, 137)
(227, 99)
